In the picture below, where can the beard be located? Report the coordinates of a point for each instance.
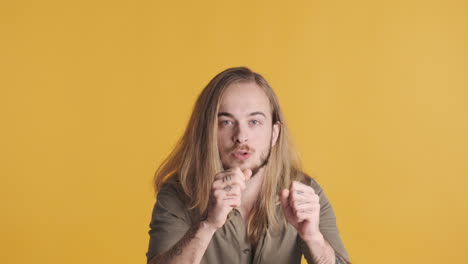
(264, 158)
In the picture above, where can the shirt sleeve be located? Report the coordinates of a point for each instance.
(328, 228)
(169, 221)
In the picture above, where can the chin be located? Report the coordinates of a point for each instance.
(252, 167)
(241, 164)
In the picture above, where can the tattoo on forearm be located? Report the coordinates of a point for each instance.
(326, 256)
(177, 249)
(324, 260)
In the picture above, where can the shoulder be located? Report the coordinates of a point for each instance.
(170, 192)
(170, 200)
(308, 180)
(171, 188)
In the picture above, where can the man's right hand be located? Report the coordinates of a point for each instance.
(226, 193)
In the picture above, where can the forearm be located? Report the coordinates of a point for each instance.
(320, 250)
(190, 248)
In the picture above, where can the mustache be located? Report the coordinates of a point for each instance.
(242, 148)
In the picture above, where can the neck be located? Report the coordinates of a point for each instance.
(251, 192)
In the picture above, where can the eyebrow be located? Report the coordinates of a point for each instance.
(232, 116)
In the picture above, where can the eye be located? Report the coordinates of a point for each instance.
(255, 122)
(225, 122)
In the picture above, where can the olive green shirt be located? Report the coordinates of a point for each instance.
(230, 245)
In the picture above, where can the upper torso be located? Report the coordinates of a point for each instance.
(230, 244)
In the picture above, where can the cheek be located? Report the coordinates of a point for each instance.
(224, 140)
(263, 139)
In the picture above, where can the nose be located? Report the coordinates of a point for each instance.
(240, 135)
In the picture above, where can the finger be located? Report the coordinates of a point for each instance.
(300, 216)
(298, 194)
(220, 176)
(222, 201)
(218, 195)
(233, 181)
(232, 191)
(284, 199)
(302, 205)
(233, 176)
(232, 201)
(228, 174)
(298, 201)
(306, 210)
(287, 211)
(306, 213)
(247, 174)
(232, 173)
(299, 186)
(224, 174)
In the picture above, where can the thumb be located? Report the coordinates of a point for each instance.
(247, 174)
(284, 195)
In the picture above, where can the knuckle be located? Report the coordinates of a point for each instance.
(315, 198)
(297, 214)
(295, 211)
(238, 178)
(217, 193)
(219, 175)
(293, 195)
(234, 183)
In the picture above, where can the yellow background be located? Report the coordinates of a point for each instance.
(94, 94)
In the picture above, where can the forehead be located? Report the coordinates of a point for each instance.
(243, 98)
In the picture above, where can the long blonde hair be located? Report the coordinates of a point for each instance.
(195, 160)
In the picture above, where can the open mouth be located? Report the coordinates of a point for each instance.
(241, 155)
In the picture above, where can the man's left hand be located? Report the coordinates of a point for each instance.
(301, 208)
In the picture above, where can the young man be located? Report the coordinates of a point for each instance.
(232, 190)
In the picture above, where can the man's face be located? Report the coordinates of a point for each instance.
(245, 129)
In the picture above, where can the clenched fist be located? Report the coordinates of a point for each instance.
(301, 208)
(226, 194)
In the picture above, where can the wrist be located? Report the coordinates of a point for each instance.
(205, 225)
(316, 239)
